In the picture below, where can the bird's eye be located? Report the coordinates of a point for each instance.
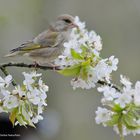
(67, 20)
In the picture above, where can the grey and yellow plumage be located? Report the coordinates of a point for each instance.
(48, 45)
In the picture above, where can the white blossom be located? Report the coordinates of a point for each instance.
(42, 86)
(109, 93)
(113, 63)
(36, 96)
(4, 92)
(125, 131)
(134, 132)
(29, 79)
(10, 102)
(80, 24)
(125, 81)
(33, 96)
(123, 99)
(37, 118)
(40, 109)
(26, 100)
(86, 44)
(96, 40)
(6, 81)
(101, 70)
(85, 84)
(76, 83)
(103, 115)
(19, 91)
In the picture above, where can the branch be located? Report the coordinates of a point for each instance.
(4, 66)
(111, 85)
(29, 66)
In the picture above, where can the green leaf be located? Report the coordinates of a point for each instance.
(129, 122)
(12, 116)
(76, 55)
(136, 114)
(114, 120)
(84, 49)
(26, 116)
(86, 63)
(135, 111)
(22, 115)
(120, 128)
(71, 71)
(28, 106)
(20, 120)
(84, 72)
(117, 108)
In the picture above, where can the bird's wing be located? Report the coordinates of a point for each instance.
(44, 40)
(48, 39)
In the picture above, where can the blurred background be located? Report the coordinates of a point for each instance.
(70, 114)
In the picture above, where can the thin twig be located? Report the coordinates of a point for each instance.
(28, 66)
(111, 85)
(4, 66)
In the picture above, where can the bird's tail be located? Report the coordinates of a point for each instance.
(20, 50)
(11, 54)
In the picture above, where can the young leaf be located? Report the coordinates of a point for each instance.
(114, 120)
(71, 71)
(76, 55)
(84, 72)
(20, 120)
(84, 50)
(117, 108)
(26, 116)
(86, 63)
(129, 122)
(12, 116)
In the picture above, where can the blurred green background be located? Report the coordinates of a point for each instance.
(70, 114)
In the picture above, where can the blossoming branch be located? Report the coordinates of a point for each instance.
(24, 102)
(81, 59)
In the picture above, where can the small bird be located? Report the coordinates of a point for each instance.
(48, 45)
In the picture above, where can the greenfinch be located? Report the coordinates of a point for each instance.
(48, 45)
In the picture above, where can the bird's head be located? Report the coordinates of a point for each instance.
(64, 23)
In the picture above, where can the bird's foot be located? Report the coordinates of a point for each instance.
(54, 67)
(36, 65)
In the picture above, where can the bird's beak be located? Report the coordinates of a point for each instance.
(73, 25)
